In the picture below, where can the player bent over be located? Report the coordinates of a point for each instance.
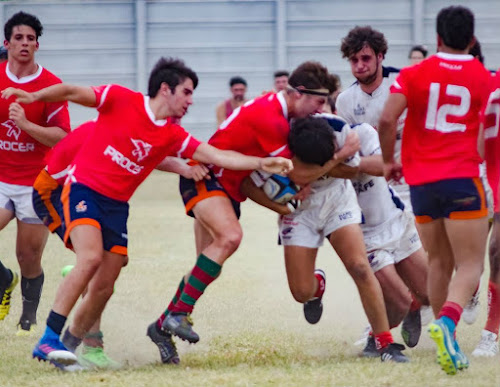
(132, 136)
(330, 211)
(444, 95)
(393, 246)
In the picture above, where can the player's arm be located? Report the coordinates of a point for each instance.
(82, 95)
(208, 154)
(47, 135)
(258, 195)
(387, 128)
(176, 165)
(372, 165)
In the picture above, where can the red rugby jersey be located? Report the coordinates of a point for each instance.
(258, 128)
(21, 156)
(126, 144)
(445, 94)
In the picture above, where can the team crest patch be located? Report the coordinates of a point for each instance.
(141, 149)
(12, 129)
(81, 206)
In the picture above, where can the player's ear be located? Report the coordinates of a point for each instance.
(165, 88)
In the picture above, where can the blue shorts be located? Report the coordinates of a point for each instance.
(451, 198)
(47, 202)
(83, 205)
(193, 192)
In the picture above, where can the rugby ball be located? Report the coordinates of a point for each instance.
(280, 189)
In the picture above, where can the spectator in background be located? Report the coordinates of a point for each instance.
(238, 88)
(280, 80)
(3, 54)
(417, 54)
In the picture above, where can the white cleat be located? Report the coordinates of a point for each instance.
(426, 315)
(488, 345)
(471, 310)
(62, 357)
(361, 342)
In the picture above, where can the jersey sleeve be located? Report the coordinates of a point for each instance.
(273, 137)
(58, 115)
(340, 137)
(342, 107)
(368, 139)
(401, 83)
(183, 142)
(103, 95)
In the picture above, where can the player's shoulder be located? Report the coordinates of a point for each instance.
(390, 72)
(364, 129)
(337, 123)
(49, 77)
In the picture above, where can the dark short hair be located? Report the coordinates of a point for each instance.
(311, 75)
(418, 48)
(476, 51)
(311, 140)
(25, 19)
(171, 71)
(358, 37)
(281, 73)
(455, 26)
(236, 81)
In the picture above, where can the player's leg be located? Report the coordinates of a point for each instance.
(31, 240)
(488, 346)
(349, 245)
(219, 220)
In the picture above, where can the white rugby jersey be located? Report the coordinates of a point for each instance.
(356, 107)
(379, 203)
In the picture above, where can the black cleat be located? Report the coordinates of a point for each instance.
(393, 353)
(164, 342)
(411, 328)
(313, 309)
(370, 349)
(180, 325)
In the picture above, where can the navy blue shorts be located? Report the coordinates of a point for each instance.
(83, 205)
(47, 203)
(193, 192)
(451, 198)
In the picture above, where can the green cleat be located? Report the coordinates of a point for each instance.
(5, 304)
(447, 356)
(96, 358)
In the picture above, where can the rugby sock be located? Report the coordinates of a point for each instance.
(493, 321)
(202, 275)
(321, 286)
(31, 289)
(415, 304)
(94, 339)
(70, 341)
(383, 339)
(6, 276)
(56, 322)
(450, 314)
(172, 303)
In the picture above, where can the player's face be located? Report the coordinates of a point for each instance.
(280, 83)
(182, 98)
(308, 104)
(365, 64)
(238, 91)
(416, 57)
(23, 44)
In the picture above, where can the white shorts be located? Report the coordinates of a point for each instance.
(391, 243)
(18, 199)
(319, 215)
(403, 191)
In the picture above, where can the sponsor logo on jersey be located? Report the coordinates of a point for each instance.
(141, 150)
(81, 206)
(15, 146)
(359, 110)
(362, 187)
(449, 66)
(123, 161)
(12, 129)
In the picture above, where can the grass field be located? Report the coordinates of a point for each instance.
(252, 332)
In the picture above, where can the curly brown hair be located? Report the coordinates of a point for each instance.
(358, 37)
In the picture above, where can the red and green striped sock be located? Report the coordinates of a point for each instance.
(202, 275)
(174, 300)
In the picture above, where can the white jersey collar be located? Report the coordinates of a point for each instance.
(150, 113)
(25, 79)
(282, 101)
(462, 57)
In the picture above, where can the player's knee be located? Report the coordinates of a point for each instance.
(360, 271)
(27, 256)
(301, 294)
(494, 250)
(230, 240)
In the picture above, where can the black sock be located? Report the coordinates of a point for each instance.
(31, 289)
(6, 277)
(56, 322)
(71, 342)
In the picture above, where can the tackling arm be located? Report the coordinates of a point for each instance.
(82, 95)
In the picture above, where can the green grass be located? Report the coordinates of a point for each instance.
(252, 331)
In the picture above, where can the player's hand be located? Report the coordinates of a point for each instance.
(22, 96)
(351, 146)
(17, 114)
(198, 172)
(278, 165)
(304, 192)
(393, 171)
